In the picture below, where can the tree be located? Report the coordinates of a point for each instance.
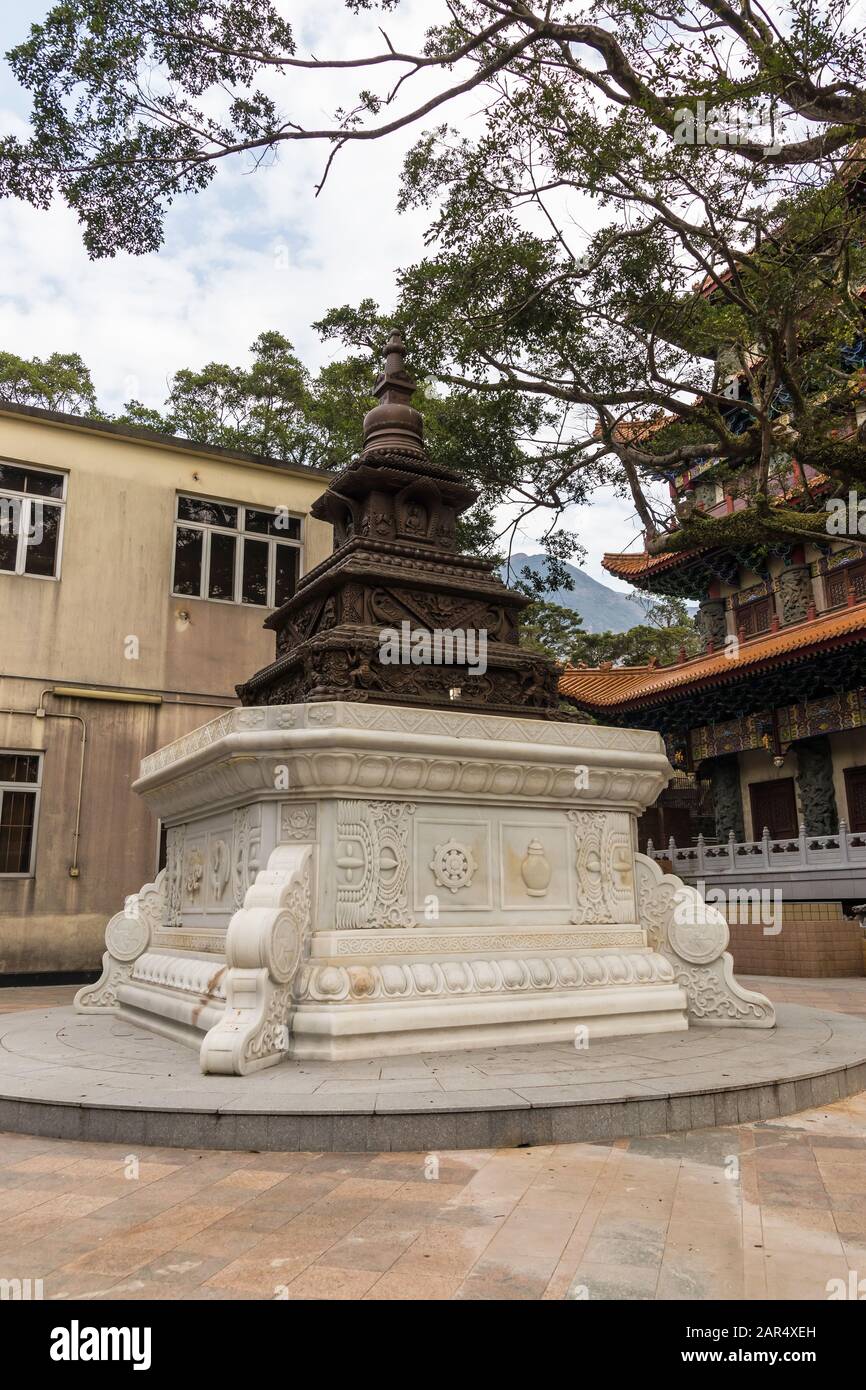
(58, 382)
(266, 408)
(558, 632)
(553, 629)
(663, 612)
(713, 147)
(133, 105)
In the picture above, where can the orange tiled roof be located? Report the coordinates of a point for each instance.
(599, 688)
(626, 565)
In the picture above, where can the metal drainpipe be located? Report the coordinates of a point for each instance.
(41, 713)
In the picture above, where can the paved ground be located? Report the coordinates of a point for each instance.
(754, 1211)
(97, 1077)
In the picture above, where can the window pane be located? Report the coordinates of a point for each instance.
(209, 513)
(254, 588)
(16, 831)
(31, 480)
(13, 478)
(10, 512)
(221, 580)
(19, 767)
(279, 523)
(287, 573)
(187, 560)
(40, 555)
(44, 484)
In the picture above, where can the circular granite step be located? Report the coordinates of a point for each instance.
(73, 1076)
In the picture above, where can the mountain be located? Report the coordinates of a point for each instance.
(602, 609)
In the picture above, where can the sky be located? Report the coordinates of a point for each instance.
(257, 250)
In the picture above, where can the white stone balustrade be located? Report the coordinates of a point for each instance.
(812, 864)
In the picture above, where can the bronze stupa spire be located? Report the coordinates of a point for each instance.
(397, 615)
(393, 423)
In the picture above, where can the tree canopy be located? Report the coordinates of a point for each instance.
(58, 382)
(642, 205)
(558, 631)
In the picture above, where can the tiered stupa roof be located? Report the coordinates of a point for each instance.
(396, 568)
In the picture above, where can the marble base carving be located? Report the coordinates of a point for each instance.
(347, 880)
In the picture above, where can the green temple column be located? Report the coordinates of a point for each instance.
(815, 786)
(795, 593)
(711, 624)
(727, 797)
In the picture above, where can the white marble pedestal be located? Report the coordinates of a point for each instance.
(356, 880)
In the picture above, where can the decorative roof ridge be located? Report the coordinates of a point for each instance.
(586, 672)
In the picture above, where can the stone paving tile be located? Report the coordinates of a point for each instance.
(764, 1208)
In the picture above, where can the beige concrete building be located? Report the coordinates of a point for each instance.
(136, 571)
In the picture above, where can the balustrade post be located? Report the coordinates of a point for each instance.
(731, 851)
(843, 840)
(802, 839)
(701, 855)
(765, 846)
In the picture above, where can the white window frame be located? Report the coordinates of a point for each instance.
(35, 788)
(26, 501)
(240, 534)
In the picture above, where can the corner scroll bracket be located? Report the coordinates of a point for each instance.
(693, 936)
(266, 942)
(127, 937)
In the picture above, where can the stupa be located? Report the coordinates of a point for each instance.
(396, 570)
(399, 843)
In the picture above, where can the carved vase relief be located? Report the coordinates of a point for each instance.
(535, 870)
(373, 864)
(604, 865)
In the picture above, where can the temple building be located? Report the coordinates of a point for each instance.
(766, 727)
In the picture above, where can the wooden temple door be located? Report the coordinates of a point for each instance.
(855, 792)
(774, 805)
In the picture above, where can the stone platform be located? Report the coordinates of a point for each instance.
(97, 1077)
(347, 882)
